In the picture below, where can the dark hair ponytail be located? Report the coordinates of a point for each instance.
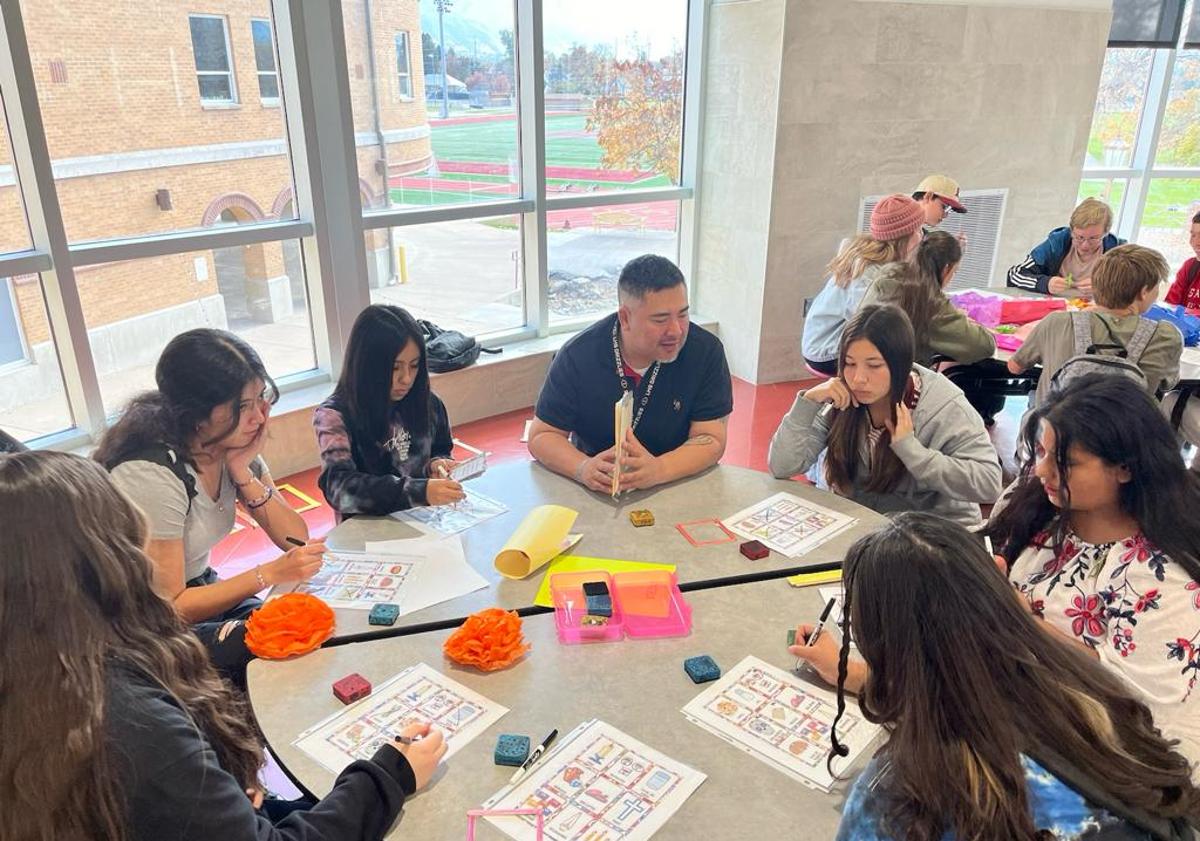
(936, 253)
(197, 371)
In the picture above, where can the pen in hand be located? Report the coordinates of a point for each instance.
(816, 631)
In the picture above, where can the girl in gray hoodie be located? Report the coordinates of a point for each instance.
(890, 435)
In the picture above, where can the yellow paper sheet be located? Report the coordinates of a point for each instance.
(807, 579)
(538, 539)
(578, 563)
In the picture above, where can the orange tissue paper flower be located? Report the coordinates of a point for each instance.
(490, 639)
(289, 625)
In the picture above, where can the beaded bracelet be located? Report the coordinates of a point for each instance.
(262, 500)
(262, 582)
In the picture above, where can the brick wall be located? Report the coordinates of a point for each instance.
(116, 77)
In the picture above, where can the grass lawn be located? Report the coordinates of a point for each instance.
(1167, 204)
(496, 143)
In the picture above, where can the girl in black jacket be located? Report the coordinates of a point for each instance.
(115, 724)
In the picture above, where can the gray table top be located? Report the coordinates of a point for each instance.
(607, 533)
(638, 686)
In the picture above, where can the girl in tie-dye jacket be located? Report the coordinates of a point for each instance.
(384, 437)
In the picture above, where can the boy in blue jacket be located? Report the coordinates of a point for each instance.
(1062, 264)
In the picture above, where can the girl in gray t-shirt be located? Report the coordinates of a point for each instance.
(186, 454)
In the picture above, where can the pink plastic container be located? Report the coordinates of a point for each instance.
(646, 605)
(566, 589)
(652, 604)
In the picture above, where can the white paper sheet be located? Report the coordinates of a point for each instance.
(360, 580)
(783, 721)
(417, 694)
(788, 524)
(443, 573)
(452, 519)
(597, 783)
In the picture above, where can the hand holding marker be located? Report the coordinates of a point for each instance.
(816, 631)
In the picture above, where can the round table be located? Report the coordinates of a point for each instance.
(718, 492)
(638, 686)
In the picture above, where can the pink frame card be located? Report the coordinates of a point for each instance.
(686, 530)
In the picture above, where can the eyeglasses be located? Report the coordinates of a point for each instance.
(1086, 240)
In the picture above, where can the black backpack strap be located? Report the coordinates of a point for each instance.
(1186, 392)
(166, 456)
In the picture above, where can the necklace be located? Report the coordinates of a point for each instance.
(649, 380)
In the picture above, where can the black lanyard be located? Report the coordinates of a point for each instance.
(625, 381)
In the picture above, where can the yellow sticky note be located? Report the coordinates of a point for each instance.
(539, 538)
(578, 563)
(807, 579)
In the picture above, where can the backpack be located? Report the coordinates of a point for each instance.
(1114, 358)
(8, 444)
(449, 350)
(165, 456)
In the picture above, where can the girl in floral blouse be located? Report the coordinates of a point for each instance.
(384, 436)
(1101, 537)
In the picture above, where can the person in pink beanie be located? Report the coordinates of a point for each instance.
(895, 233)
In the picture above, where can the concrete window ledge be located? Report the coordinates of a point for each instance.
(496, 384)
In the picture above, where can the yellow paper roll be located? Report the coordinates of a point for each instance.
(539, 538)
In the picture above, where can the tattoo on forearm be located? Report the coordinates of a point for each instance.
(701, 440)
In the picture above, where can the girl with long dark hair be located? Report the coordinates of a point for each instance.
(997, 730)
(917, 287)
(186, 454)
(384, 435)
(115, 724)
(1101, 539)
(889, 434)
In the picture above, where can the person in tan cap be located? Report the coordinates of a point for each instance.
(937, 194)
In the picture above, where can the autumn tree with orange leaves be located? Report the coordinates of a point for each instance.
(638, 118)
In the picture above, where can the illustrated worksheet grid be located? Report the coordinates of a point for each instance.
(417, 695)
(359, 581)
(600, 785)
(788, 524)
(452, 519)
(777, 718)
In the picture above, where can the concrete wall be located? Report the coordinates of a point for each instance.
(811, 104)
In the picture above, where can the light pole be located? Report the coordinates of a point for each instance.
(443, 6)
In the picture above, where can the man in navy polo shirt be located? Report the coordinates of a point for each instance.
(678, 375)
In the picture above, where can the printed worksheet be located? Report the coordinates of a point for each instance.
(417, 694)
(788, 524)
(359, 580)
(598, 784)
(777, 718)
(452, 519)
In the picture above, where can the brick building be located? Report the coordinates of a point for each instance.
(166, 116)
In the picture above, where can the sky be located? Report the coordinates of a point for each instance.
(660, 24)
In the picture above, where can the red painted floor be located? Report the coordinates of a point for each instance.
(756, 413)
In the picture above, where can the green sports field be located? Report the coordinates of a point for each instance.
(572, 159)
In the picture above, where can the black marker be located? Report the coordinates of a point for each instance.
(295, 541)
(816, 631)
(533, 757)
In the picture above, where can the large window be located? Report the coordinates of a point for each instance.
(264, 61)
(614, 94)
(247, 290)
(506, 168)
(1144, 148)
(214, 68)
(14, 229)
